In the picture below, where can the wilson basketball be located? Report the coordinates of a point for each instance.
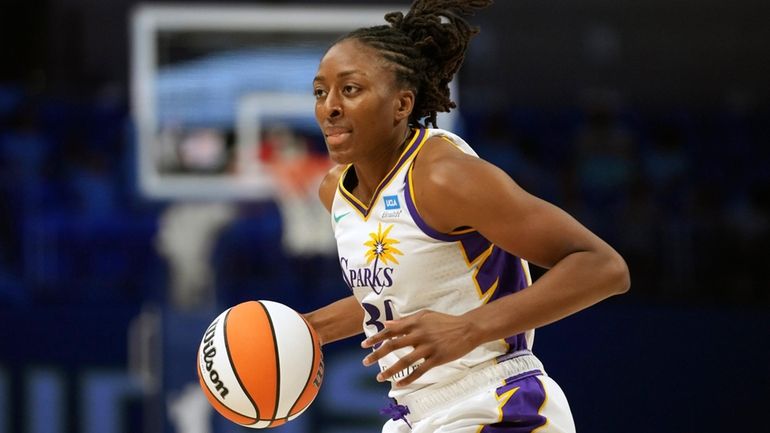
(260, 364)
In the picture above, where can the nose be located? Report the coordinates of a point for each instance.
(332, 106)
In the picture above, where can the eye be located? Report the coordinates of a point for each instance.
(319, 93)
(350, 89)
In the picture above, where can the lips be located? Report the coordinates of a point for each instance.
(336, 135)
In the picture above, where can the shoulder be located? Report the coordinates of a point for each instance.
(329, 185)
(446, 179)
(442, 167)
(440, 159)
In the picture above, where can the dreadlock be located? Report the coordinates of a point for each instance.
(426, 48)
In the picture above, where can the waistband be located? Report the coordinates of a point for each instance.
(480, 377)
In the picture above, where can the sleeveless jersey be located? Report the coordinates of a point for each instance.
(396, 265)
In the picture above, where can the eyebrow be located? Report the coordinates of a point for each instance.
(342, 74)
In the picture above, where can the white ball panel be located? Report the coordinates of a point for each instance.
(299, 413)
(295, 353)
(259, 424)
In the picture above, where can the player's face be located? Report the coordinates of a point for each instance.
(356, 102)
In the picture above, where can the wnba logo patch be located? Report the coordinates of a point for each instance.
(392, 207)
(391, 202)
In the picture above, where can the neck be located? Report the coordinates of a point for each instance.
(371, 173)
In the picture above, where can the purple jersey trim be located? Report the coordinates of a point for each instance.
(417, 138)
(351, 199)
(428, 230)
(513, 278)
(500, 270)
(507, 271)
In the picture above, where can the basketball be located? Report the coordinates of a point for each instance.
(260, 364)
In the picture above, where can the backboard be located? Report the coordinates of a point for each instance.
(208, 81)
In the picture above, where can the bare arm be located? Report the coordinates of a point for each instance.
(343, 318)
(583, 269)
(455, 190)
(338, 320)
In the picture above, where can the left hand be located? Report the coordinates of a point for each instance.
(436, 337)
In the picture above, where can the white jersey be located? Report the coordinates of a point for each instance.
(396, 265)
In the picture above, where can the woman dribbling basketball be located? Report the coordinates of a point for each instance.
(434, 242)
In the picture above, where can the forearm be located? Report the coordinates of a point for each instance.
(338, 320)
(578, 281)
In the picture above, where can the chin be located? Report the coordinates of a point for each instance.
(338, 157)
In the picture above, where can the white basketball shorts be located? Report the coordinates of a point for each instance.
(528, 401)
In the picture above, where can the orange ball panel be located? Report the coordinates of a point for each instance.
(251, 345)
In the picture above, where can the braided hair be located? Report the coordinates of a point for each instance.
(426, 47)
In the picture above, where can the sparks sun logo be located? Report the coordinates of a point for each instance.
(380, 254)
(381, 247)
(381, 251)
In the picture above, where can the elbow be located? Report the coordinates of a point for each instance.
(618, 275)
(312, 320)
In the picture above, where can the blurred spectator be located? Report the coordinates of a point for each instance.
(749, 216)
(665, 166)
(683, 195)
(518, 152)
(604, 169)
(24, 150)
(89, 178)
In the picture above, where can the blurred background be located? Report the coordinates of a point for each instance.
(158, 165)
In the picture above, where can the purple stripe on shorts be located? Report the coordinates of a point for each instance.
(520, 413)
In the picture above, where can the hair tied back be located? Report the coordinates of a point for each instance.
(395, 19)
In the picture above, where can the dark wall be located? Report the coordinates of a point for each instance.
(685, 350)
(531, 51)
(655, 52)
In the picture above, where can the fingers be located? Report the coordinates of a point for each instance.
(418, 369)
(392, 329)
(389, 345)
(398, 334)
(402, 364)
(418, 359)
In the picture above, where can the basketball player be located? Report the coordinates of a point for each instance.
(434, 242)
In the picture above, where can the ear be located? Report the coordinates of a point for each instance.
(403, 104)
